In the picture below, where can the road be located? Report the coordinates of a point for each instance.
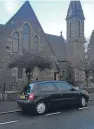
(63, 119)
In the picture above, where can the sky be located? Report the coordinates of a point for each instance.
(51, 14)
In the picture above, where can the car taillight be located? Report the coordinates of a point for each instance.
(31, 96)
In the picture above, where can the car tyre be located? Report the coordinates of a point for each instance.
(41, 108)
(83, 102)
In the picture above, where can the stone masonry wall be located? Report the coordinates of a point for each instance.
(6, 54)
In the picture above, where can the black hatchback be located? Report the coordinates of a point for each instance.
(40, 96)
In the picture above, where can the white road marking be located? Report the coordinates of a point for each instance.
(10, 112)
(90, 99)
(8, 122)
(52, 114)
(83, 108)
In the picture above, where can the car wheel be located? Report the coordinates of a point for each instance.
(83, 102)
(41, 108)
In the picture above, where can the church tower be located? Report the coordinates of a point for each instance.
(75, 36)
(75, 32)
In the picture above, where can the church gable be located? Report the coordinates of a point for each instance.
(23, 30)
(25, 15)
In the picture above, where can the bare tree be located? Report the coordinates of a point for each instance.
(30, 61)
(86, 65)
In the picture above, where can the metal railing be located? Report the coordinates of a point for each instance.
(10, 87)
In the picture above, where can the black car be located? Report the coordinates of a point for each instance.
(40, 96)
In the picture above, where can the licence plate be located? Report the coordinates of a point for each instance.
(22, 97)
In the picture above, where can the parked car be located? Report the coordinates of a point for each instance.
(40, 96)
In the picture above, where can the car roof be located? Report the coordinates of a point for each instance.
(51, 81)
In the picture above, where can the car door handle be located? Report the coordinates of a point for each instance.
(61, 94)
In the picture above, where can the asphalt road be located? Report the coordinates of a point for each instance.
(63, 119)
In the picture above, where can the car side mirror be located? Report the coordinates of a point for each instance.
(73, 89)
(77, 88)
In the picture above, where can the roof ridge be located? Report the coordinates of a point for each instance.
(19, 10)
(10, 20)
(53, 35)
(57, 36)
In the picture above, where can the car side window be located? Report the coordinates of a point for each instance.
(63, 86)
(47, 87)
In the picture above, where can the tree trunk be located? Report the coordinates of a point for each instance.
(93, 75)
(29, 74)
(87, 76)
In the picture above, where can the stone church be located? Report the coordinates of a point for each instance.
(23, 32)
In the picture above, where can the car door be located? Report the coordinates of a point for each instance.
(50, 94)
(68, 93)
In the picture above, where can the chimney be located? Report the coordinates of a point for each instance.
(61, 33)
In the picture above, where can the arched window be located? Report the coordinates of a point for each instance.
(26, 38)
(63, 76)
(79, 28)
(36, 44)
(15, 43)
(70, 29)
(20, 73)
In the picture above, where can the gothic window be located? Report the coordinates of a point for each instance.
(35, 43)
(79, 28)
(15, 43)
(63, 76)
(70, 29)
(20, 73)
(26, 38)
(64, 73)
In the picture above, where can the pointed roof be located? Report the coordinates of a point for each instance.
(25, 13)
(75, 10)
(92, 33)
(92, 38)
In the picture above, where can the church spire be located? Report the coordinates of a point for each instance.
(75, 10)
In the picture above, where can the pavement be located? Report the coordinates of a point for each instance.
(11, 106)
(8, 107)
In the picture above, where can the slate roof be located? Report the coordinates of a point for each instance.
(76, 10)
(1, 27)
(22, 15)
(58, 45)
(25, 13)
